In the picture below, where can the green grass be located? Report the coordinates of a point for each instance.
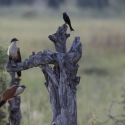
(101, 66)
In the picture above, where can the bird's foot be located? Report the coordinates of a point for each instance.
(13, 64)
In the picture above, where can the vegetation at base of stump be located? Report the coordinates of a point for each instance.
(3, 81)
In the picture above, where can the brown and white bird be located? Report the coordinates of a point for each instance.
(14, 53)
(12, 92)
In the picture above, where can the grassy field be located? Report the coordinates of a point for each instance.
(101, 66)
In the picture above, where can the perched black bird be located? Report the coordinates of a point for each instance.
(67, 20)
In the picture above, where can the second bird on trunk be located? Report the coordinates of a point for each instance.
(12, 92)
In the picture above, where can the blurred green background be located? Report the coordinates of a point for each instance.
(100, 24)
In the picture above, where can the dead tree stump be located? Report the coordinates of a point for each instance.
(14, 104)
(61, 80)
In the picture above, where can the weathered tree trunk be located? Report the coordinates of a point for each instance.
(61, 80)
(14, 109)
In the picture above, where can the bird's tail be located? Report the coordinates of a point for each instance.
(71, 29)
(2, 103)
(19, 74)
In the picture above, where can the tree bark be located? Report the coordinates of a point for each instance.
(61, 79)
(15, 112)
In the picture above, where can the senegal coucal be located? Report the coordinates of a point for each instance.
(67, 20)
(12, 92)
(14, 53)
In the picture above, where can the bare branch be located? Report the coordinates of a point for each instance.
(75, 52)
(59, 38)
(33, 61)
(115, 119)
(50, 73)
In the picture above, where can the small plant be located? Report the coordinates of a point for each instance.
(94, 120)
(2, 83)
(123, 96)
(118, 119)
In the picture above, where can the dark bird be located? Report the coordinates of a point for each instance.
(67, 20)
(14, 53)
(12, 92)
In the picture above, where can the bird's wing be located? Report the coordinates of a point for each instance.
(19, 60)
(19, 55)
(9, 93)
(69, 19)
